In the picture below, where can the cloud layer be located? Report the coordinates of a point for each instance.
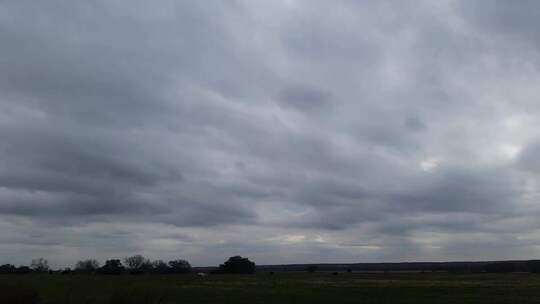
(287, 131)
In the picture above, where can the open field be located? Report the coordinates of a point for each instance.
(277, 288)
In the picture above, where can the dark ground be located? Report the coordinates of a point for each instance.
(310, 288)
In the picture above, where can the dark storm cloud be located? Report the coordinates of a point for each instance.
(309, 124)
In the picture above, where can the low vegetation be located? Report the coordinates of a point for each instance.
(137, 279)
(279, 287)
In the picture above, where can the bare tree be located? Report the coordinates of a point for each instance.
(159, 266)
(138, 263)
(40, 265)
(89, 265)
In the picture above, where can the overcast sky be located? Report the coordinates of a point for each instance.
(286, 131)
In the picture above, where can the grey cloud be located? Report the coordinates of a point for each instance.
(488, 192)
(414, 124)
(459, 190)
(501, 17)
(529, 158)
(305, 98)
(362, 123)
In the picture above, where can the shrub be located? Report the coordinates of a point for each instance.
(7, 268)
(159, 266)
(138, 264)
(112, 267)
(237, 264)
(87, 266)
(179, 266)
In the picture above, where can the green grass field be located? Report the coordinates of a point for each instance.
(278, 288)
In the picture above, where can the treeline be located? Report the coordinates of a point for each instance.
(528, 266)
(495, 266)
(136, 264)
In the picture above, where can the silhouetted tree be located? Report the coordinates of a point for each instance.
(179, 266)
(112, 267)
(159, 266)
(311, 268)
(7, 268)
(146, 267)
(40, 265)
(138, 264)
(87, 266)
(237, 264)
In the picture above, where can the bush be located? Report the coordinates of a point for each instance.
(159, 266)
(180, 266)
(138, 264)
(87, 266)
(112, 267)
(7, 268)
(237, 264)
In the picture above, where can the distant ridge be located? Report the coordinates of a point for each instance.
(476, 266)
